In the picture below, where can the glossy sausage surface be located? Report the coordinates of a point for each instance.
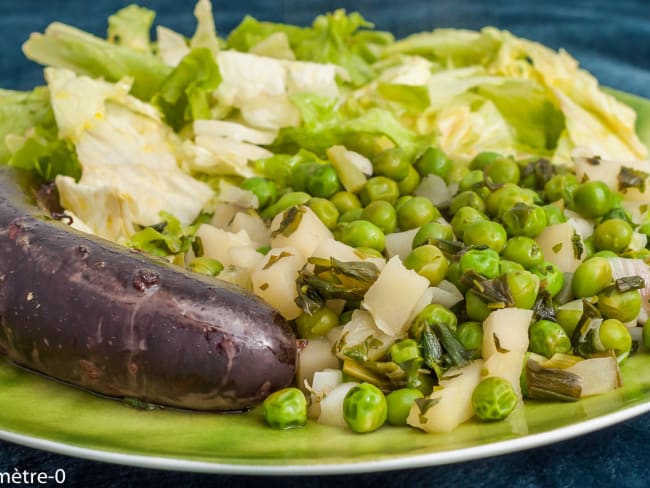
(89, 312)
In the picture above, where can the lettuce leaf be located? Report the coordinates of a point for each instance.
(131, 27)
(184, 96)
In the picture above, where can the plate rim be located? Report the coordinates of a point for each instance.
(406, 461)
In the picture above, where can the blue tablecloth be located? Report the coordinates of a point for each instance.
(610, 38)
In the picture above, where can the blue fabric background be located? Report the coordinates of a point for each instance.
(611, 38)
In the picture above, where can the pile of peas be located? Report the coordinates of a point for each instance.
(487, 228)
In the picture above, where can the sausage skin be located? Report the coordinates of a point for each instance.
(114, 321)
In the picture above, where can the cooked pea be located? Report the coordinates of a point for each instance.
(362, 233)
(613, 235)
(554, 214)
(285, 409)
(548, 338)
(379, 188)
(365, 408)
(399, 404)
(467, 198)
(502, 170)
(392, 163)
(433, 313)
(561, 187)
(471, 181)
(433, 161)
(526, 220)
(483, 261)
(591, 277)
(615, 336)
(206, 266)
(323, 182)
(325, 210)
(523, 250)
(351, 215)
(382, 214)
(550, 276)
(408, 184)
(416, 212)
(286, 201)
(506, 266)
(621, 305)
(482, 159)
(494, 399)
(485, 233)
(404, 350)
(475, 307)
(319, 323)
(345, 201)
(504, 198)
(470, 335)
(301, 173)
(592, 199)
(430, 232)
(523, 286)
(428, 261)
(465, 217)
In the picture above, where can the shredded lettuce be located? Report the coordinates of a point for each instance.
(130, 27)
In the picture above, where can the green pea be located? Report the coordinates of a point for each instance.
(319, 323)
(466, 198)
(646, 334)
(465, 217)
(526, 220)
(482, 159)
(592, 199)
(431, 232)
(550, 277)
(494, 399)
(402, 200)
(523, 250)
(263, 188)
(301, 173)
(325, 210)
(288, 200)
(364, 143)
(616, 337)
(324, 181)
(621, 305)
(502, 170)
(613, 235)
(548, 338)
(351, 215)
(206, 266)
(392, 163)
(416, 212)
(454, 274)
(483, 261)
(504, 198)
(554, 214)
(485, 233)
(604, 254)
(506, 266)
(470, 335)
(345, 201)
(399, 404)
(403, 351)
(471, 181)
(365, 408)
(589, 247)
(591, 277)
(382, 214)
(523, 286)
(433, 313)
(362, 233)
(561, 187)
(475, 307)
(379, 188)
(456, 173)
(433, 161)
(285, 409)
(618, 213)
(568, 315)
(428, 261)
(408, 184)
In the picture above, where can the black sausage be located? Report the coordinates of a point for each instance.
(112, 320)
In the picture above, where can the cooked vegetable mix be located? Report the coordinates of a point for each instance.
(452, 223)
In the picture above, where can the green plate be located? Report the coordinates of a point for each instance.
(44, 414)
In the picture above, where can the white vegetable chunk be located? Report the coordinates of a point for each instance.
(454, 400)
(506, 365)
(307, 235)
(599, 375)
(510, 327)
(324, 382)
(253, 225)
(556, 244)
(315, 355)
(274, 280)
(361, 333)
(400, 243)
(218, 242)
(331, 407)
(394, 285)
